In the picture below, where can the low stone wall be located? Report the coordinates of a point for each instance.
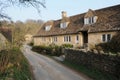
(102, 62)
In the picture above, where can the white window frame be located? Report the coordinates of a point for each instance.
(103, 39)
(110, 37)
(43, 39)
(54, 39)
(67, 38)
(63, 25)
(64, 38)
(95, 19)
(106, 37)
(77, 39)
(47, 28)
(90, 20)
(86, 21)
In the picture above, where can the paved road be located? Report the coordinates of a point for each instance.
(45, 68)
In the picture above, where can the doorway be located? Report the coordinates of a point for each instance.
(85, 39)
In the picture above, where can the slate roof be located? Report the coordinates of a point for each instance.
(7, 33)
(108, 20)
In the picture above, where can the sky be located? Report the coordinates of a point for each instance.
(55, 7)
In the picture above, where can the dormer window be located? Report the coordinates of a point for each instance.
(90, 17)
(47, 28)
(48, 25)
(63, 25)
(65, 20)
(90, 20)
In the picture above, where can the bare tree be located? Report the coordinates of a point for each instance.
(3, 6)
(37, 4)
(34, 3)
(20, 29)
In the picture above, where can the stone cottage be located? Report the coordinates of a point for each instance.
(86, 29)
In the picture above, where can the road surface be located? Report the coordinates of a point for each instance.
(45, 68)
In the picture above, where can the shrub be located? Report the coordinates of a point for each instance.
(57, 51)
(48, 49)
(53, 50)
(42, 49)
(67, 45)
(112, 46)
(31, 44)
(14, 65)
(36, 48)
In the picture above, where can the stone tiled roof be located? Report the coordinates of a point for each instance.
(108, 20)
(7, 33)
(49, 23)
(90, 13)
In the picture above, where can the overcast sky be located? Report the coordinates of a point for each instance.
(55, 7)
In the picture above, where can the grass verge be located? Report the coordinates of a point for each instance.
(92, 73)
(14, 66)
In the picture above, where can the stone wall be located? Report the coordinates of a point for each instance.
(102, 62)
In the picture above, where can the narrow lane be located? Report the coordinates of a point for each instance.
(45, 68)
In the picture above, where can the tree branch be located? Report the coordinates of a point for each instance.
(37, 4)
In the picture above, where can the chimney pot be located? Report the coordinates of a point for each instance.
(64, 14)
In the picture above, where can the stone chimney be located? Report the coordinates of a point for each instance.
(64, 14)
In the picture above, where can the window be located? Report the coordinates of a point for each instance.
(77, 38)
(103, 38)
(67, 38)
(85, 21)
(106, 37)
(63, 25)
(90, 20)
(54, 39)
(64, 38)
(47, 28)
(43, 39)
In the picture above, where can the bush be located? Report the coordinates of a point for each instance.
(14, 65)
(35, 48)
(67, 46)
(42, 49)
(31, 44)
(112, 46)
(48, 50)
(53, 50)
(57, 51)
